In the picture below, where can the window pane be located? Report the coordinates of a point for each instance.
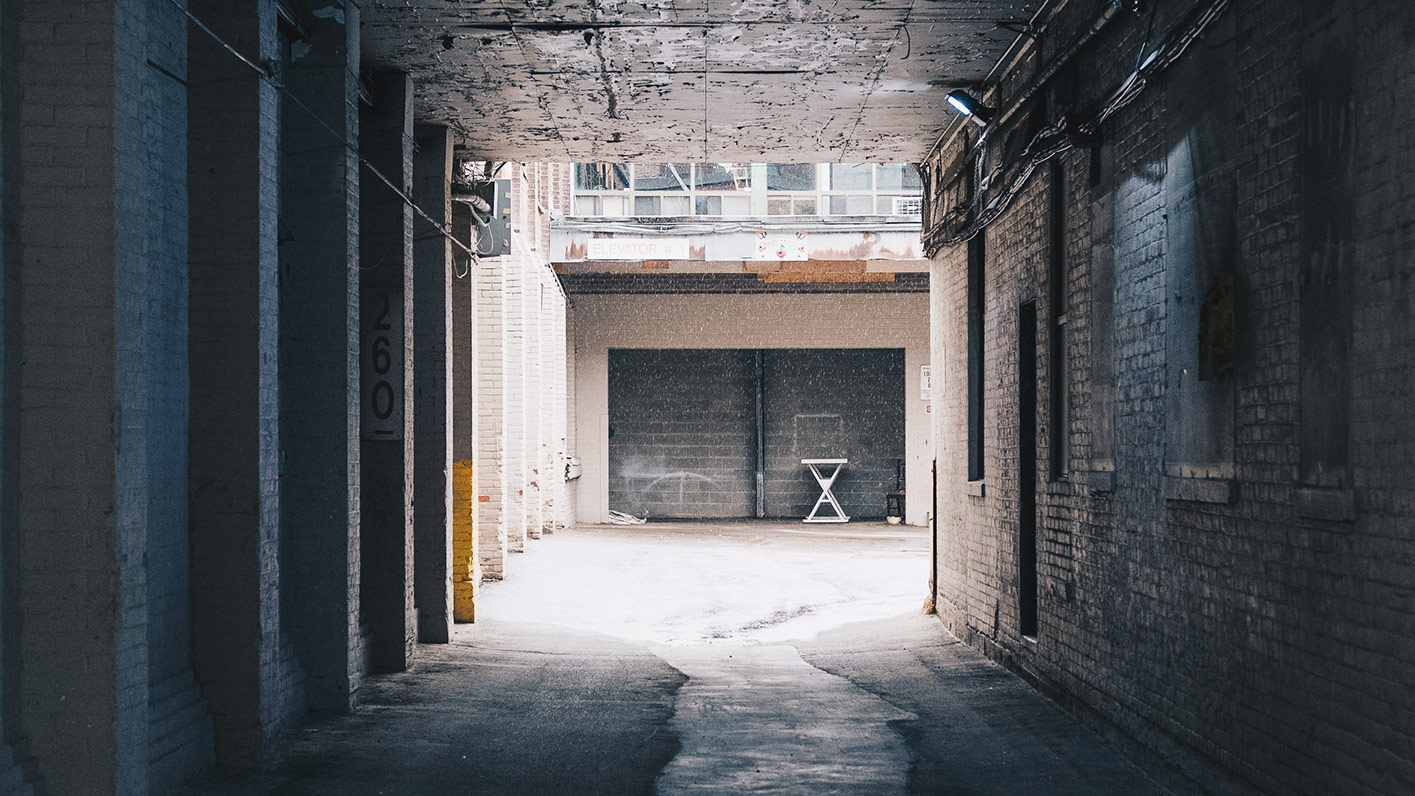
(613, 205)
(852, 205)
(645, 205)
(736, 205)
(791, 177)
(900, 205)
(899, 177)
(849, 177)
(778, 207)
(587, 205)
(676, 205)
(661, 177)
(601, 176)
(709, 205)
(723, 176)
(803, 207)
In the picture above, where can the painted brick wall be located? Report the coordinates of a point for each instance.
(72, 565)
(521, 373)
(179, 729)
(1251, 630)
(10, 631)
(319, 365)
(491, 441)
(233, 184)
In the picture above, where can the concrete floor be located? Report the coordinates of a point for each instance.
(759, 657)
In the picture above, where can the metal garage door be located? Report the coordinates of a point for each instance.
(684, 428)
(832, 403)
(682, 432)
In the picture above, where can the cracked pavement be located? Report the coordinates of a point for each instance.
(743, 657)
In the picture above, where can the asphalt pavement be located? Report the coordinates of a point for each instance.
(702, 658)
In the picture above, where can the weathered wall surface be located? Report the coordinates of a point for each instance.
(719, 320)
(522, 377)
(1223, 543)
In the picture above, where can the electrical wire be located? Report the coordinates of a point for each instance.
(1063, 135)
(351, 147)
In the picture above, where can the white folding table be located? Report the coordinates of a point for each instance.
(825, 482)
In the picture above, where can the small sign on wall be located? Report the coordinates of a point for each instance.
(637, 249)
(779, 246)
(381, 367)
(926, 385)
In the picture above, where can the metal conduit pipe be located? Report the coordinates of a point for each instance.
(1108, 11)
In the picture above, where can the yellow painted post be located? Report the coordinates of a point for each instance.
(466, 567)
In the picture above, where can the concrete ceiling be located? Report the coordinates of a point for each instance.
(681, 80)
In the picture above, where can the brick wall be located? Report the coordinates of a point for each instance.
(432, 412)
(233, 184)
(386, 313)
(319, 366)
(491, 441)
(522, 381)
(1234, 617)
(10, 630)
(179, 729)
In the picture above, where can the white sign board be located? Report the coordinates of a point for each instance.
(926, 384)
(637, 249)
(781, 246)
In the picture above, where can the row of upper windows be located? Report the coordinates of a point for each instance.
(745, 189)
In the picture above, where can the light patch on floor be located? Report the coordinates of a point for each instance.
(702, 583)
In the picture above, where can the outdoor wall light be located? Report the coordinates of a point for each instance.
(969, 106)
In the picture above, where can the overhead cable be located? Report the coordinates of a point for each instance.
(349, 145)
(1064, 134)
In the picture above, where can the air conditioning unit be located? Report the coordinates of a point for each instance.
(908, 205)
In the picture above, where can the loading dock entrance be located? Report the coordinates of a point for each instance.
(687, 438)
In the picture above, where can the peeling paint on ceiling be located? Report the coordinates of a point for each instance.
(678, 80)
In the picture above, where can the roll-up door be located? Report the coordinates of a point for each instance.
(684, 426)
(832, 404)
(682, 433)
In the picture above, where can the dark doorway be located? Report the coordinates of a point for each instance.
(1027, 466)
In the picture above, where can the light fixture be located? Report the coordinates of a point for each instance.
(969, 106)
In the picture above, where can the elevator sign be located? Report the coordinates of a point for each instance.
(637, 249)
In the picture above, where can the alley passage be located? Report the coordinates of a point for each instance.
(702, 658)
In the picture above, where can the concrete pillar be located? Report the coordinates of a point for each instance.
(491, 418)
(319, 362)
(466, 563)
(234, 423)
(432, 384)
(386, 367)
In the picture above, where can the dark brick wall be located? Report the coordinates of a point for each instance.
(827, 404)
(1217, 603)
(682, 432)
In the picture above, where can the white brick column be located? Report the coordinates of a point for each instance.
(491, 418)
